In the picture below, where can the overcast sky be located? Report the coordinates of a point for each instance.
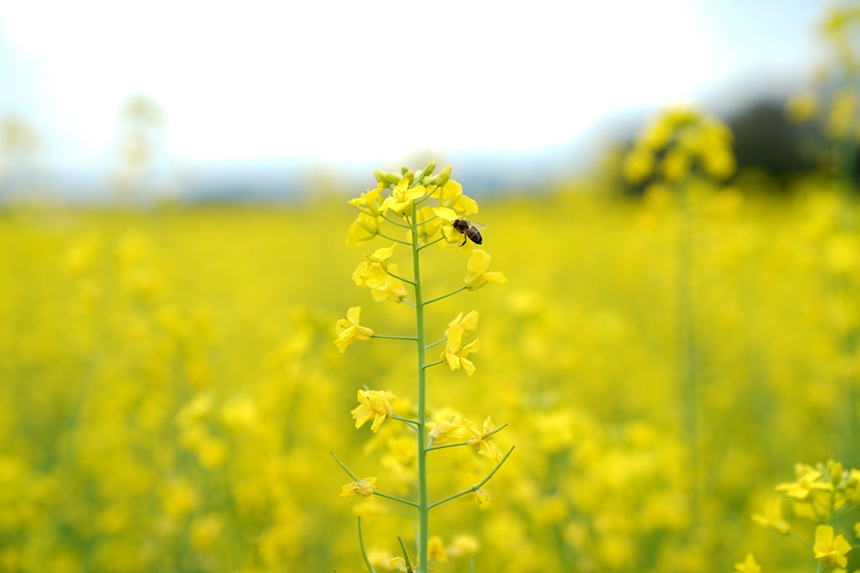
(365, 81)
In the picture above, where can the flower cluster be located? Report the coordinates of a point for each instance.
(676, 143)
(394, 211)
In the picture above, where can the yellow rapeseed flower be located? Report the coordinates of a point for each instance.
(482, 440)
(372, 270)
(807, 483)
(363, 229)
(363, 488)
(374, 405)
(748, 566)
(829, 551)
(400, 564)
(349, 329)
(436, 549)
(451, 196)
(772, 517)
(369, 202)
(479, 262)
(468, 323)
(392, 289)
(455, 354)
(402, 196)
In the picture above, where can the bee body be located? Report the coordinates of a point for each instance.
(470, 229)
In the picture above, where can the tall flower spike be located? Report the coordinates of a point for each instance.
(478, 276)
(349, 329)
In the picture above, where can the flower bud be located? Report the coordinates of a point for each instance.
(387, 178)
(428, 170)
(443, 177)
(409, 176)
(404, 170)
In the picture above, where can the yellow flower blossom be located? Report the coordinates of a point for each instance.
(349, 329)
(369, 202)
(748, 566)
(392, 289)
(482, 497)
(482, 440)
(402, 196)
(479, 262)
(363, 229)
(363, 488)
(451, 196)
(468, 323)
(436, 549)
(806, 485)
(464, 544)
(639, 164)
(455, 354)
(829, 551)
(371, 271)
(772, 517)
(374, 405)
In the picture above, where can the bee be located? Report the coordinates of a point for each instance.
(470, 229)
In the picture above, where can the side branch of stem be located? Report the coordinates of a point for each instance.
(400, 278)
(393, 337)
(384, 236)
(433, 242)
(426, 366)
(438, 342)
(380, 494)
(453, 292)
(443, 446)
(393, 222)
(477, 485)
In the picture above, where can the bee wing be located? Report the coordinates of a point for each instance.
(479, 226)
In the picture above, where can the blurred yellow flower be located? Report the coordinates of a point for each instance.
(455, 353)
(374, 405)
(363, 488)
(400, 564)
(829, 551)
(436, 549)
(806, 485)
(482, 440)
(801, 107)
(772, 517)
(748, 566)
(349, 329)
(482, 497)
(479, 262)
(468, 323)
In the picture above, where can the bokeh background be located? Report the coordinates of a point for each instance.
(670, 342)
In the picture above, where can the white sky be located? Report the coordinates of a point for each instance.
(362, 81)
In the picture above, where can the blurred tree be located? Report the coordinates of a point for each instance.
(142, 169)
(19, 153)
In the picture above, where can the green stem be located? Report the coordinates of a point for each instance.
(393, 337)
(399, 278)
(453, 292)
(393, 222)
(423, 499)
(477, 485)
(431, 243)
(792, 535)
(430, 194)
(433, 364)
(412, 422)
(393, 239)
(405, 553)
(407, 301)
(363, 552)
(443, 446)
